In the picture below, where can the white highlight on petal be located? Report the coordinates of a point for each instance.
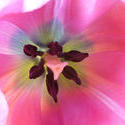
(123, 1)
(114, 106)
(58, 6)
(90, 6)
(4, 3)
(3, 109)
(30, 5)
(12, 39)
(58, 10)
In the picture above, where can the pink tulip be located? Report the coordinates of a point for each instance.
(31, 62)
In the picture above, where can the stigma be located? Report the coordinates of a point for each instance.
(55, 64)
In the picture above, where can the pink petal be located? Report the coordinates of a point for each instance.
(123, 1)
(10, 6)
(77, 14)
(16, 6)
(23, 96)
(107, 33)
(37, 18)
(5, 66)
(109, 65)
(15, 71)
(80, 106)
(25, 107)
(75, 106)
(105, 71)
(84, 108)
(3, 109)
(28, 106)
(12, 39)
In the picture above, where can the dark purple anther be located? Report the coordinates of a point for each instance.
(37, 70)
(74, 56)
(52, 85)
(54, 48)
(30, 50)
(71, 74)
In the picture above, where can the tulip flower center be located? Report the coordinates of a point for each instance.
(50, 63)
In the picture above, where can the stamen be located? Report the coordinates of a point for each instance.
(37, 70)
(74, 56)
(52, 85)
(71, 74)
(55, 48)
(54, 65)
(30, 50)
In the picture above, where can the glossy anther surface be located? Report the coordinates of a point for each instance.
(52, 85)
(37, 70)
(54, 48)
(71, 74)
(30, 50)
(74, 56)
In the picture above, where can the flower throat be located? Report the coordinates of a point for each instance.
(54, 49)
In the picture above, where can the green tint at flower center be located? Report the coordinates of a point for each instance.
(53, 58)
(51, 31)
(50, 63)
